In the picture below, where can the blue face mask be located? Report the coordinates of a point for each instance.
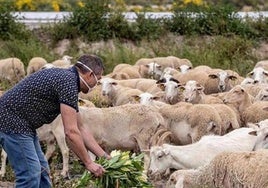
(89, 88)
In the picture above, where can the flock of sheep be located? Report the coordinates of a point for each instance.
(209, 125)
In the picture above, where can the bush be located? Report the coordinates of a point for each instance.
(9, 28)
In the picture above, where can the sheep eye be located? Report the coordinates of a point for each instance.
(160, 156)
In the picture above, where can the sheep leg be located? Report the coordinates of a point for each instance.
(3, 165)
(64, 152)
(50, 148)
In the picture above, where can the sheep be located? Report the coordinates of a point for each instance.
(188, 123)
(172, 94)
(254, 89)
(259, 75)
(170, 156)
(64, 62)
(228, 169)
(149, 99)
(241, 101)
(125, 127)
(12, 70)
(169, 61)
(193, 92)
(221, 80)
(246, 81)
(262, 94)
(142, 84)
(126, 71)
(85, 102)
(263, 64)
(204, 68)
(184, 68)
(35, 64)
(96, 97)
(117, 94)
(261, 132)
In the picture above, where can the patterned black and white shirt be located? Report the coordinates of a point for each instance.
(36, 100)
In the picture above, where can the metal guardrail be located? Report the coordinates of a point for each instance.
(35, 19)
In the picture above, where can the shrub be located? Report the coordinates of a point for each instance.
(9, 28)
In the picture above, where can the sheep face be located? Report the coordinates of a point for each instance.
(259, 75)
(154, 70)
(262, 95)
(223, 79)
(191, 91)
(146, 98)
(235, 95)
(107, 86)
(247, 81)
(171, 91)
(262, 135)
(184, 68)
(160, 160)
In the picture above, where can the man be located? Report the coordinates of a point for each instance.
(38, 99)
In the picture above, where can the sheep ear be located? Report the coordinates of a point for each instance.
(265, 73)
(81, 102)
(265, 108)
(158, 66)
(124, 76)
(166, 151)
(213, 76)
(136, 98)
(253, 133)
(156, 98)
(114, 76)
(161, 86)
(181, 88)
(250, 73)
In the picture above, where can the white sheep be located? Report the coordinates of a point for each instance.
(246, 81)
(35, 64)
(241, 101)
(228, 169)
(221, 80)
(64, 62)
(12, 70)
(188, 122)
(149, 99)
(199, 153)
(169, 61)
(263, 64)
(193, 92)
(125, 71)
(262, 94)
(259, 75)
(262, 135)
(116, 93)
(125, 127)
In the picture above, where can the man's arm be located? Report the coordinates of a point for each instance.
(89, 140)
(75, 141)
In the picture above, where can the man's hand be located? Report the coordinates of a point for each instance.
(96, 169)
